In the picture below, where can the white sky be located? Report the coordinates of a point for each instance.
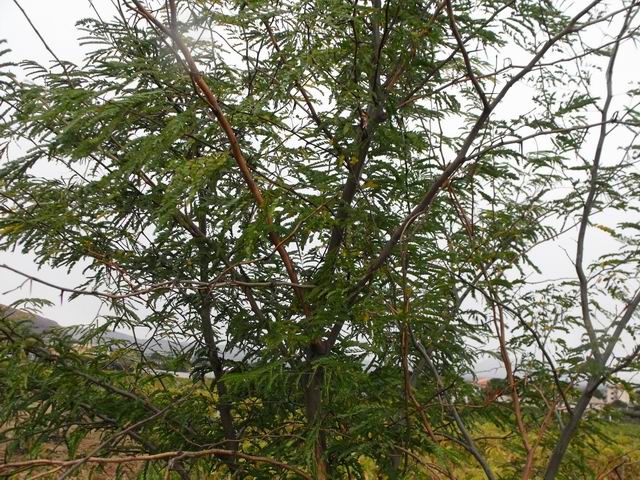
(56, 21)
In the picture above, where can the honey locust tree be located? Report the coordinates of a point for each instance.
(332, 209)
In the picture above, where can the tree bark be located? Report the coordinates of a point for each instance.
(313, 410)
(569, 430)
(222, 405)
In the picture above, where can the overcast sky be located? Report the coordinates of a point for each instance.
(56, 21)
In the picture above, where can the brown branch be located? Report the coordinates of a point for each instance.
(499, 322)
(420, 460)
(517, 410)
(546, 421)
(123, 432)
(236, 151)
(545, 353)
(215, 452)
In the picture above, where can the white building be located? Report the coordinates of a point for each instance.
(615, 393)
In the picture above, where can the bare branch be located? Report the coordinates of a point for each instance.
(453, 167)
(166, 285)
(465, 56)
(8, 468)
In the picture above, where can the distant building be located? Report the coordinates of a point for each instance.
(610, 394)
(497, 390)
(616, 393)
(494, 389)
(481, 382)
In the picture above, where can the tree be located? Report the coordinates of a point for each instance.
(334, 208)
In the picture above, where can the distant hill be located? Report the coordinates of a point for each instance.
(485, 367)
(39, 324)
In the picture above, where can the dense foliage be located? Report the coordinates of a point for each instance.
(332, 209)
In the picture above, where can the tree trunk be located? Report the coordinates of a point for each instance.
(222, 405)
(313, 410)
(570, 429)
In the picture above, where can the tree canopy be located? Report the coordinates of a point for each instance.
(332, 209)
